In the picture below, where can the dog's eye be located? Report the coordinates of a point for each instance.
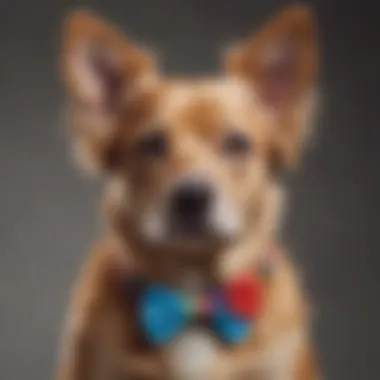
(236, 144)
(152, 145)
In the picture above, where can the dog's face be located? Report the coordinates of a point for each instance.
(195, 166)
(196, 158)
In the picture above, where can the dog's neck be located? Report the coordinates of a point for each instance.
(188, 271)
(165, 266)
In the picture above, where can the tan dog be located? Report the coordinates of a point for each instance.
(191, 196)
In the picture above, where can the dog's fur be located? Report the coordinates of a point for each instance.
(119, 97)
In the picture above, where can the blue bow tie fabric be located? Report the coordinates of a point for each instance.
(164, 313)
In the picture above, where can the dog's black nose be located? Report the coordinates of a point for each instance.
(191, 200)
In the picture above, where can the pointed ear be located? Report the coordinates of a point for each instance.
(100, 67)
(102, 72)
(280, 65)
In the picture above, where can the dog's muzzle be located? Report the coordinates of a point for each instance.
(190, 204)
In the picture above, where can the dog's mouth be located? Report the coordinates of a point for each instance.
(189, 228)
(193, 231)
(192, 236)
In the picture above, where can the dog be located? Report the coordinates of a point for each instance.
(192, 200)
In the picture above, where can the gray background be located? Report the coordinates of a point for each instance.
(49, 214)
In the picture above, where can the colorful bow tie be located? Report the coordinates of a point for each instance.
(231, 312)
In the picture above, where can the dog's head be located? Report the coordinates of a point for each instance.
(196, 158)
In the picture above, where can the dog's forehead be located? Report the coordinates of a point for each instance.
(206, 102)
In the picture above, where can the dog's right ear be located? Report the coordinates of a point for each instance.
(104, 74)
(280, 65)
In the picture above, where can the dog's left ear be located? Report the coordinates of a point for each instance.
(280, 65)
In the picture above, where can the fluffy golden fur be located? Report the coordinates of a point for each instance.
(118, 99)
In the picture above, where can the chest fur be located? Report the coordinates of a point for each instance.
(197, 355)
(271, 351)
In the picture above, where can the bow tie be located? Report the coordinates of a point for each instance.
(230, 312)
